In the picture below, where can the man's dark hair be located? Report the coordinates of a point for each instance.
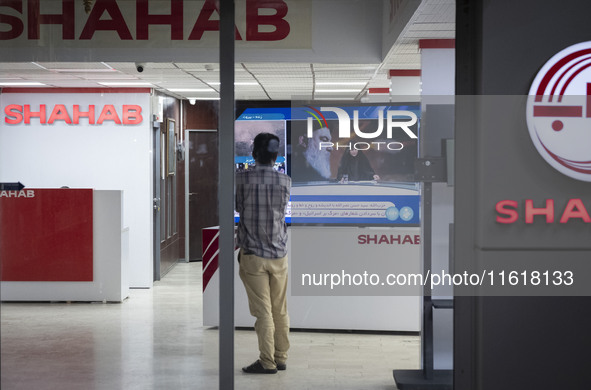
(265, 148)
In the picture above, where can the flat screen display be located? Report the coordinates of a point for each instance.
(350, 164)
(246, 130)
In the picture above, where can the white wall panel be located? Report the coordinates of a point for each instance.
(103, 157)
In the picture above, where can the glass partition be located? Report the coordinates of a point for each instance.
(137, 97)
(98, 96)
(348, 90)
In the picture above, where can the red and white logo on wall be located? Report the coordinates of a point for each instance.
(559, 111)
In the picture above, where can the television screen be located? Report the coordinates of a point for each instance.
(246, 130)
(334, 144)
(350, 164)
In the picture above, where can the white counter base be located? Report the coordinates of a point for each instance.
(110, 262)
(372, 313)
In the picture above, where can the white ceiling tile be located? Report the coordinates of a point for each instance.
(279, 80)
(18, 66)
(73, 65)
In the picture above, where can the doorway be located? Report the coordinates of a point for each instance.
(202, 188)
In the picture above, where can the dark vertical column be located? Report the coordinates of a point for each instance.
(464, 314)
(226, 195)
(467, 76)
(468, 65)
(427, 342)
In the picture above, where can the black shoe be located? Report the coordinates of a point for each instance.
(281, 366)
(257, 368)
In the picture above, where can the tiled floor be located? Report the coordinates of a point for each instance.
(155, 340)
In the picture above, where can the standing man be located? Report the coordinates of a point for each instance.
(262, 195)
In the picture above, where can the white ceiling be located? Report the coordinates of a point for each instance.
(434, 19)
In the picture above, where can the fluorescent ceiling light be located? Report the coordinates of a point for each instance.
(39, 65)
(204, 98)
(191, 90)
(22, 84)
(336, 68)
(125, 84)
(336, 90)
(82, 70)
(341, 82)
(332, 98)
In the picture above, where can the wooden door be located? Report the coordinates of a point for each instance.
(203, 186)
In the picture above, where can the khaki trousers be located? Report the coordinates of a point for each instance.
(265, 281)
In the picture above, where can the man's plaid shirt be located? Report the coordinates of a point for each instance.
(262, 195)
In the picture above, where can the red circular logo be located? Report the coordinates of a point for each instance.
(559, 111)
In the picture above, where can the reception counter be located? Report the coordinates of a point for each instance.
(63, 245)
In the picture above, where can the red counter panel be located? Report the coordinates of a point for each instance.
(211, 250)
(46, 235)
